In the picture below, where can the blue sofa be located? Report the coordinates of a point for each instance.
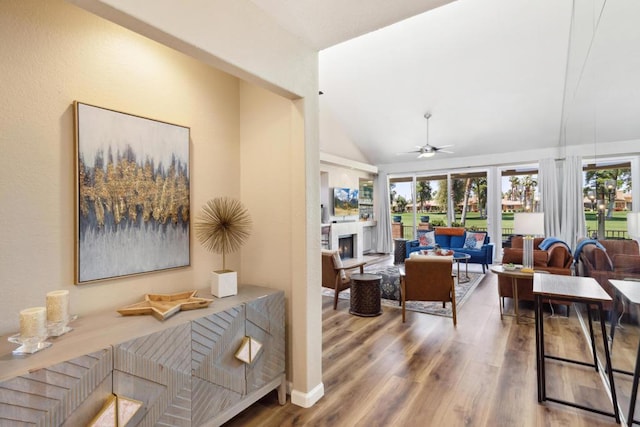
(474, 243)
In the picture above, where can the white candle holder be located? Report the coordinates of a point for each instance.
(55, 329)
(28, 345)
(58, 317)
(33, 331)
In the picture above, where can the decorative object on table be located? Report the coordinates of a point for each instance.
(58, 316)
(33, 331)
(509, 267)
(132, 188)
(249, 350)
(223, 226)
(443, 252)
(529, 224)
(163, 306)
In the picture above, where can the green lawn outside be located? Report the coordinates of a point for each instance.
(617, 223)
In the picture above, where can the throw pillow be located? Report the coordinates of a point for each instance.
(337, 262)
(427, 238)
(474, 240)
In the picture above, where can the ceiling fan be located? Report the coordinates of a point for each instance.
(427, 150)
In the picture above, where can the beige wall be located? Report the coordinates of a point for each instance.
(59, 53)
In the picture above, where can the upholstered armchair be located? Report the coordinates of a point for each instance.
(608, 259)
(428, 278)
(334, 273)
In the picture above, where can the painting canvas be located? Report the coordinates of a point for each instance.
(133, 197)
(345, 201)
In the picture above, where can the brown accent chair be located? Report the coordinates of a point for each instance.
(428, 278)
(334, 273)
(555, 260)
(620, 261)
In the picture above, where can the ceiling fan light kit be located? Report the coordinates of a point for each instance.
(426, 154)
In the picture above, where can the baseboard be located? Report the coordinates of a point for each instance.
(307, 400)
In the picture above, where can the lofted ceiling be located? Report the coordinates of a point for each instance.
(497, 76)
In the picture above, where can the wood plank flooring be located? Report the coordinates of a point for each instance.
(381, 372)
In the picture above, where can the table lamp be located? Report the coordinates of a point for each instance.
(529, 224)
(633, 225)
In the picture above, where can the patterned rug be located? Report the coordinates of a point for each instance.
(390, 291)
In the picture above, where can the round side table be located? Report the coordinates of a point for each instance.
(365, 295)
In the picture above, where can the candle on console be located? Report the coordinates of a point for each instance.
(58, 306)
(33, 322)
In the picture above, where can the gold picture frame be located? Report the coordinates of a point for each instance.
(132, 194)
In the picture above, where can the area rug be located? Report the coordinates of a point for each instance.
(390, 291)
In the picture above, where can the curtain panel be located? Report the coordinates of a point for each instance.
(383, 239)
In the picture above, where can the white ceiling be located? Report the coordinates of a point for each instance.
(493, 73)
(324, 23)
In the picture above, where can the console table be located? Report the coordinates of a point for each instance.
(629, 290)
(577, 289)
(183, 369)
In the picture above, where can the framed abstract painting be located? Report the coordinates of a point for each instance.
(132, 194)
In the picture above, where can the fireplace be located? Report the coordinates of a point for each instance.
(345, 246)
(341, 230)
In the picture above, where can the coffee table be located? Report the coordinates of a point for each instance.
(459, 257)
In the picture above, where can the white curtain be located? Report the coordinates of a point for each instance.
(384, 240)
(550, 190)
(572, 220)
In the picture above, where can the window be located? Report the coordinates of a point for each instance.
(519, 194)
(607, 199)
(470, 200)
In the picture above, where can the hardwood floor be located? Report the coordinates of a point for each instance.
(381, 372)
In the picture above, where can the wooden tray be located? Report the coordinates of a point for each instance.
(163, 306)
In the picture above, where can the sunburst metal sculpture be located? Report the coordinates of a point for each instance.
(223, 226)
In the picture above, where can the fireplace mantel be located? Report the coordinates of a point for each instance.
(354, 228)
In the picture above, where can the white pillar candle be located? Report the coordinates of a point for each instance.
(33, 322)
(58, 306)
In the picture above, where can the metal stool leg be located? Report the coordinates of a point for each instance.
(609, 366)
(593, 341)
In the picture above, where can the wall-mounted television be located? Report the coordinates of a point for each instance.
(345, 201)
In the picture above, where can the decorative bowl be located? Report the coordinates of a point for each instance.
(509, 267)
(444, 252)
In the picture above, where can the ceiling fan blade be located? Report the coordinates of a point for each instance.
(445, 146)
(446, 151)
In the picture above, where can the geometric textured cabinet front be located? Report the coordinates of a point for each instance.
(156, 370)
(189, 374)
(218, 377)
(185, 374)
(68, 393)
(265, 323)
